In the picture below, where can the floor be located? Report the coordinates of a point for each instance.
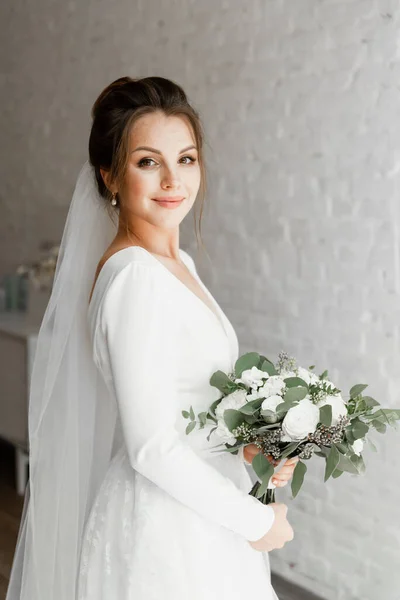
(10, 513)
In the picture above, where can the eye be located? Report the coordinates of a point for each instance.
(144, 161)
(141, 162)
(192, 159)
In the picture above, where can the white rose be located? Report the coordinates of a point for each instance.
(252, 377)
(339, 408)
(235, 400)
(300, 420)
(307, 376)
(223, 432)
(272, 402)
(274, 385)
(358, 447)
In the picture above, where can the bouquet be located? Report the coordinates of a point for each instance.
(289, 411)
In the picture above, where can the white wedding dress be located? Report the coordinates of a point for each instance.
(173, 517)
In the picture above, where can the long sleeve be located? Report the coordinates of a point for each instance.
(139, 325)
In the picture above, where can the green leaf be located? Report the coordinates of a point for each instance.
(359, 429)
(203, 419)
(342, 447)
(295, 394)
(325, 415)
(345, 464)
(323, 375)
(331, 462)
(245, 362)
(191, 414)
(358, 461)
(372, 445)
(220, 380)
(294, 382)
(370, 402)
(233, 418)
(337, 473)
(380, 427)
(209, 435)
(311, 368)
(190, 427)
(357, 389)
(185, 414)
(298, 477)
(250, 407)
(262, 467)
(268, 366)
(290, 448)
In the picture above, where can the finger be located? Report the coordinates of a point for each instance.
(292, 461)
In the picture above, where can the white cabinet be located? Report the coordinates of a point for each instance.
(18, 338)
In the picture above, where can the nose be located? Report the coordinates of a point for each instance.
(170, 180)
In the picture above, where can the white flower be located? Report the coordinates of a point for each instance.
(307, 376)
(223, 432)
(235, 400)
(252, 377)
(300, 420)
(271, 402)
(339, 408)
(255, 394)
(358, 447)
(285, 374)
(274, 385)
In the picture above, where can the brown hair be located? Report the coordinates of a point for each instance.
(115, 112)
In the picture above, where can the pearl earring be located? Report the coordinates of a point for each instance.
(114, 200)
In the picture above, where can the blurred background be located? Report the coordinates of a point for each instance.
(300, 103)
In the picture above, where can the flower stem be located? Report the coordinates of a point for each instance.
(266, 498)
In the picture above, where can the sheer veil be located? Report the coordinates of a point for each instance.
(71, 419)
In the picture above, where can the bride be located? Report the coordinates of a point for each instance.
(121, 504)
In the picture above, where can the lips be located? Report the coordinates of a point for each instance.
(170, 199)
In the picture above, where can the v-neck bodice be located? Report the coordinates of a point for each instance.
(216, 314)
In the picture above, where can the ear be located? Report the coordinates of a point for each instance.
(107, 180)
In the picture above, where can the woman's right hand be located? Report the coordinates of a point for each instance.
(280, 532)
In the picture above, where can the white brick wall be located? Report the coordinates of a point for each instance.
(300, 102)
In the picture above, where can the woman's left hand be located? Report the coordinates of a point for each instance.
(281, 478)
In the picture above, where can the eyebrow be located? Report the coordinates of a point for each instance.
(158, 151)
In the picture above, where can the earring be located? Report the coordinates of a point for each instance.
(114, 200)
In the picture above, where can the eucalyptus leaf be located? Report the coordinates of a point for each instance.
(337, 473)
(185, 414)
(358, 461)
(262, 467)
(245, 362)
(359, 429)
(262, 489)
(370, 402)
(380, 427)
(220, 380)
(331, 462)
(191, 414)
(295, 394)
(325, 415)
(267, 366)
(345, 464)
(357, 389)
(190, 427)
(298, 477)
(209, 435)
(250, 407)
(294, 382)
(233, 418)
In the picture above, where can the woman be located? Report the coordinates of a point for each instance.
(121, 504)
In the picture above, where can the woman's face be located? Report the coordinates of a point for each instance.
(168, 167)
